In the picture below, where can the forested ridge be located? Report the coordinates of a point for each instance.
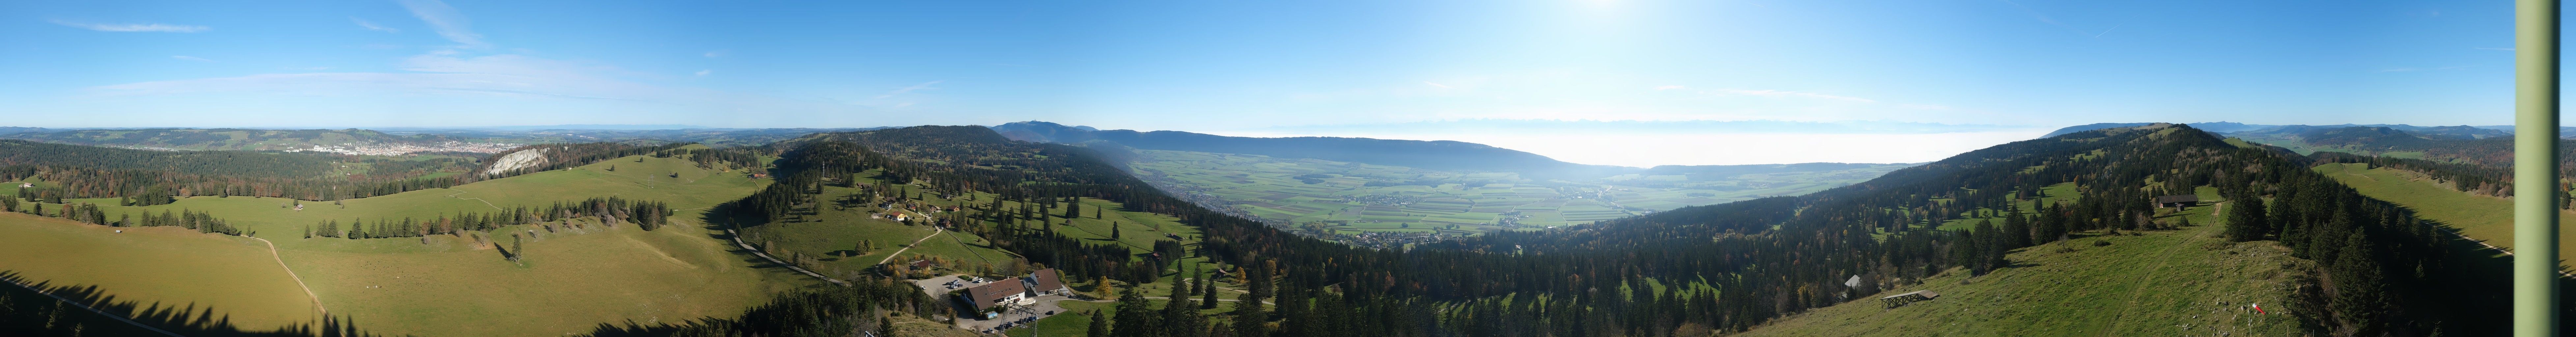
(1723, 267)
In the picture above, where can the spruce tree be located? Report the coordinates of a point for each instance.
(2016, 231)
(2245, 220)
(1248, 317)
(1135, 317)
(1207, 287)
(1099, 325)
(885, 326)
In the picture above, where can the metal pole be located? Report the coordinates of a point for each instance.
(2535, 164)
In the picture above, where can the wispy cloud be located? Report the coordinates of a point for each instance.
(1442, 86)
(372, 25)
(1668, 87)
(704, 72)
(1925, 106)
(446, 20)
(1786, 93)
(191, 58)
(923, 85)
(716, 53)
(134, 27)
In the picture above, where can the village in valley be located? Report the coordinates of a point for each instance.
(395, 149)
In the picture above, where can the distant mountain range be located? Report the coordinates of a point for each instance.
(1437, 155)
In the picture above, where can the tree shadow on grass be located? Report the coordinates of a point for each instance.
(30, 312)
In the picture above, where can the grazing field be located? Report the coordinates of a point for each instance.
(571, 279)
(835, 232)
(157, 269)
(2187, 282)
(2482, 218)
(1359, 197)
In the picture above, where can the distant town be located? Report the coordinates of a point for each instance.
(391, 149)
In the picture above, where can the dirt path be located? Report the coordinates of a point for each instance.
(485, 203)
(2140, 290)
(934, 232)
(290, 273)
(737, 240)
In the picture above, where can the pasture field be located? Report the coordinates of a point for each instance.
(2482, 218)
(2143, 283)
(572, 279)
(157, 269)
(836, 229)
(1359, 197)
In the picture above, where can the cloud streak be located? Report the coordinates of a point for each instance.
(446, 21)
(372, 25)
(134, 27)
(191, 58)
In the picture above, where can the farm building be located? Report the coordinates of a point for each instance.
(1045, 282)
(2178, 201)
(1898, 300)
(995, 295)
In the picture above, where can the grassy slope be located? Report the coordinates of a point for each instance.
(571, 280)
(165, 268)
(2484, 218)
(2161, 283)
(836, 230)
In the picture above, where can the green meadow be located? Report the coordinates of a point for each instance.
(571, 279)
(2483, 218)
(835, 232)
(157, 268)
(2142, 283)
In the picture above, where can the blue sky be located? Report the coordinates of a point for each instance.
(1252, 67)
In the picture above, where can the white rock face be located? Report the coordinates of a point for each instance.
(517, 160)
